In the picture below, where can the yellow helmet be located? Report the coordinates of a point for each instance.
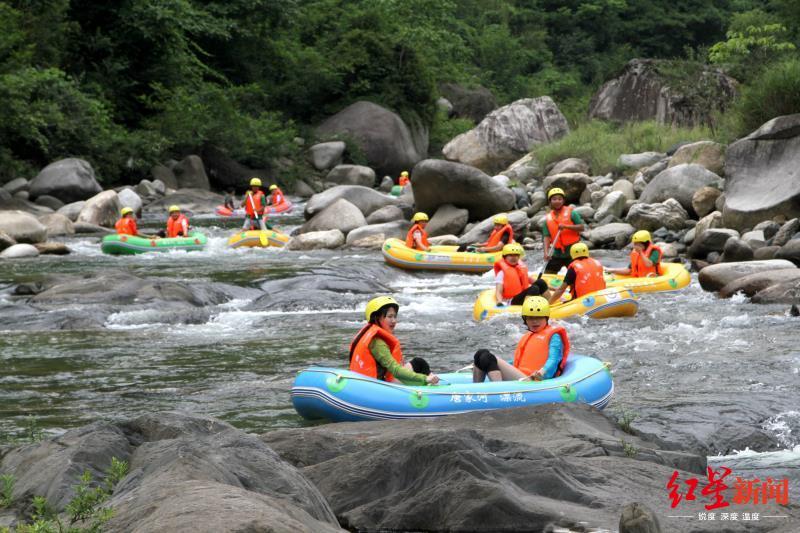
(554, 191)
(376, 303)
(420, 217)
(500, 218)
(641, 236)
(174, 208)
(255, 182)
(579, 249)
(536, 306)
(513, 248)
(126, 210)
(273, 187)
(404, 173)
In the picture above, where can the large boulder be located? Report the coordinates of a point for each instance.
(191, 200)
(669, 214)
(790, 251)
(18, 251)
(22, 227)
(69, 180)
(102, 209)
(129, 198)
(707, 154)
(711, 240)
(736, 250)
(571, 165)
(763, 177)
(326, 155)
(636, 161)
(448, 220)
(436, 183)
(367, 200)
(351, 175)
(572, 184)
(785, 292)
(341, 215)
(316, 239)
(71, 211)
(191, 173)
(51, 202)
(713, 278)
(165, 175)
(786, 232)
(613, 204)
(396, 229)
(641, 92)
(753, 283)
(472, 103)
(615, 233)
(390, 213)
(386, 141)
(480, 232)
(226, 173)
(679, 182)
(507, 134)
(626, 188)
(57, 224)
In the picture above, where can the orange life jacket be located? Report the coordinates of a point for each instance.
(177, 226)
(126, 226)
(588, 276)
(497, 235)
(638, 268)
(277, 197)
(410, 236)
(533, 349)
(361, 359)
(255, 199)
(515, 278)
(403, 181)
(567, 236)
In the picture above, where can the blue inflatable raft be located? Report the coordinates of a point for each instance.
(344, 396)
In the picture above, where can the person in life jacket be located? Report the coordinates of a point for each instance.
(276, 195)
(645, 257)
(255, 203)
(403, 180)
(541, 353)
(561, 229)
(511, 279)
(126, 225)
(230, 199)
(177, 223)
(375, 351)
(417, 237)
(584, 274)
(502, 234)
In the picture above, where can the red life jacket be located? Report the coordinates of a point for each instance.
(410, 236)
(178, 226)
(515, 278)
(638, 268)
(126, 226)
(277, 197)
(362, 360)
(567, 236)
(533, 349)
(588, 276)
(403, 181)
(497, 235)
(255, 199)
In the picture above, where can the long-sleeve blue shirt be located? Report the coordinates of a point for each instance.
(554, 355)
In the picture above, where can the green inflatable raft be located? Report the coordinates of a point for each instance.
(129, 245)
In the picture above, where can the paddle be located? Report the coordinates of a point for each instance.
(546, 257)
(253, 205)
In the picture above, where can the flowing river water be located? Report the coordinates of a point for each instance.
(693, 369)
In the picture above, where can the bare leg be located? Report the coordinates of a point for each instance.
(478, 375)
(507, 371)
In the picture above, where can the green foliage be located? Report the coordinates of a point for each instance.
(445, 129)
(625, 419)
(601, 143)
(628, 449)
(33, 433)
(6, 490)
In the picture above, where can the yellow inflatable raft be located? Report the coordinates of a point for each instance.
(258, 238)
(674, 277)
(396, 253)
(611, 302)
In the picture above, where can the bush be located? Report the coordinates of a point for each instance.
(601, 143)
(444, 129)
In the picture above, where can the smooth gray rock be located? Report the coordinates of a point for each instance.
(669, 214)
(754, 283)
(448, 220)
(49, 201)
(52, 248)
(6, 240)
(69, 180)
(786, 292)
(626, 188)
(22, 227)
(765, 253)
(572, 184)
(636, 161)
(189, 200)
(303, 189)
(160, 187)
(365, 199)
(436, 183)
(707, 154)
(704, 200)
(648, 173)
(754, 238)
(713, 278)
(18, 251)
(679, 182)
(769, 227)
(473, 103)
(587, 212)
(480, 231)
(16, 185)
(396, 229)
(390, 213)
(326, 155)
(610, 233)
(129, 198)
(145, 188)
(786, 232)
(711, 240)
(165, 175)
(57, 224)
(736, 249)
(763, 174)
(191, 173)
(572, 165)
(523, 170)
(22, 195)
(790, 251)
(386, 185)
(613, 204)
(102, 209)
(352, 175)
(316, 239)
(710, 221)
(341, 215)
(87, 228)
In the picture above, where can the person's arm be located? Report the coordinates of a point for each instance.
(557, 293)
(546, 236)
(577, 222)
(651, 260)
(498, 287)
(555, 352)
(185, 226)
(383, 356)
(418, 242)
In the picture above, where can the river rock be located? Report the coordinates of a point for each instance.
(679, 182)
(448, 219)
(374, 242)
(638, 518)
(790, 251)
(765, 252)
(613, 233)
(165, 175)
(508, 133)
(704, 200)
(711, 240)
(572, 184)
(191, 173)
(713, 278)
(572, 165)
(102, 209)
(383, 137)
(365, 199)
(69, 180)
(18, 251)
(707, 154)
(86, 227)
(758, 281)
(351, 175)
(710, 221)
(785, 292)
(763, 174)
(57, 224)
(586, 212)
(612, 205)
(669, 214)
(386, 185)
(480, 231)
(316, 239)
(626, 188)
(341, 215)
(523, 170)
(396, 229)
(390, 213)
(639, 185)
(326, 155)
(6, 240)
(52, 248)
(49, 201)
(786, 232)
(769, 227)
(436, 183)
(22, 227)
(636, 161)
(189, 200)
(473, 103)
(303, 189)
(129, 198)
(160, 187)
(145, 188)
(16, 185)
(735, 250)
(22, 195)
(755, 239)
(444, 240)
